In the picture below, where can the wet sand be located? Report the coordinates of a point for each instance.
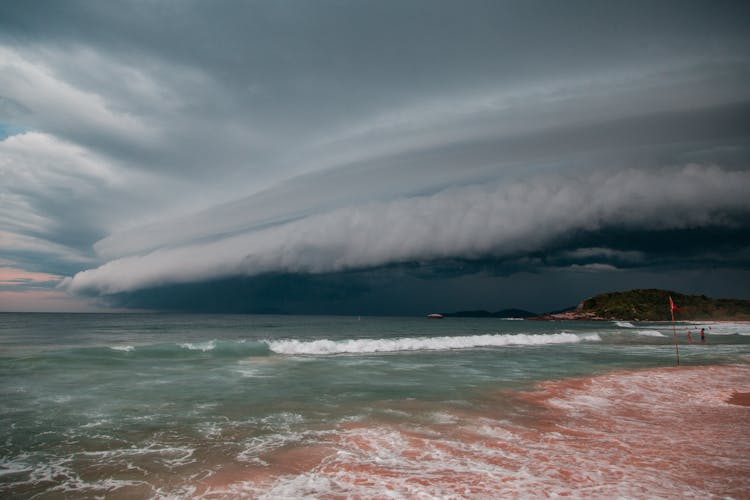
(668, 432)
(740, 398)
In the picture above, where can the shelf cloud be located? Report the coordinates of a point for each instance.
(473, 222)
(346, 143)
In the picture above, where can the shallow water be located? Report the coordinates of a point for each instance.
(221, 406)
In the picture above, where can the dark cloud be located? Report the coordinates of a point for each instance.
(266, 294)
(715, 261)
(499, 219)
(396, 292)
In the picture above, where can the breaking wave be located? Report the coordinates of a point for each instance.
(200, 346)
(650, 333)
(713, 328)
(624, 324)
(325, 346)
(124, 348)
(212, 348)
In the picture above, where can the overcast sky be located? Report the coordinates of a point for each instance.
(370, 157)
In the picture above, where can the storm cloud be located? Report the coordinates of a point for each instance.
(146, 148)
(471, 222)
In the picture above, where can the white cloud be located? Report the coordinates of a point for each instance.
(41, 174)
(470, 222)
(39, 161)
(20, 243)
(55, 104)
(52, 188)
(461, 137)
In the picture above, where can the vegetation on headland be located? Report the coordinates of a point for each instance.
(653, 305)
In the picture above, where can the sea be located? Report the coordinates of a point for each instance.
(255, 406)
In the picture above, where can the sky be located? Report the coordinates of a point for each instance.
(352, 157)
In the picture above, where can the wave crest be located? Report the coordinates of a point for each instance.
(200, 346)
(650, 333)
(624, 324)
(358, 346)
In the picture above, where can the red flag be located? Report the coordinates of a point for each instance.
(672, 305)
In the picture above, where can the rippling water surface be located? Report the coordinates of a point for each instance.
(226, 406)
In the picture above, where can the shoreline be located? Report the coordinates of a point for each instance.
(635, 433)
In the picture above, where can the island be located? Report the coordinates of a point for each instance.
(480, 313)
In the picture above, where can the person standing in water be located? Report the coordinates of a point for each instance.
(703, 335)
(690, 337)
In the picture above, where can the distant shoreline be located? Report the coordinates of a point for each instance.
(651, 305)
(561, 317)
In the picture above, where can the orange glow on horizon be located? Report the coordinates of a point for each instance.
(16, 276)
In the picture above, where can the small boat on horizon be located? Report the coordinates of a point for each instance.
(435, 316)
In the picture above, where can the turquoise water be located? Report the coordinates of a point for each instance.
(145, 405)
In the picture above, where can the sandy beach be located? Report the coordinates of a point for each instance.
(671, 433)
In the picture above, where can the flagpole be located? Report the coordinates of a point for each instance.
(674, 331)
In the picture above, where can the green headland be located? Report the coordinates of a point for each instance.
(653, 305)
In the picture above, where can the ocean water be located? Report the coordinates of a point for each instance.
(227, 406)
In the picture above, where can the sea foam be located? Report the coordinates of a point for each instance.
(126, 348)
(360, 346)
(713, 328)
(642, 416)
(624, 324)
(650, 333)
(200, 346)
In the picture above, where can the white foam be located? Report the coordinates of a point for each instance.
(650, 333)
(624, 324)
(257, 446)
(126, 348)
(284, 420)
(394, 452)
(490, 458)
(301, 486)
(360, 346)
(200, 346)
(724, 328)
(63, 479)
(250, 373)
(95, 423)
(591, 337)
(10, 467)
(622, 415)
(441, 417)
